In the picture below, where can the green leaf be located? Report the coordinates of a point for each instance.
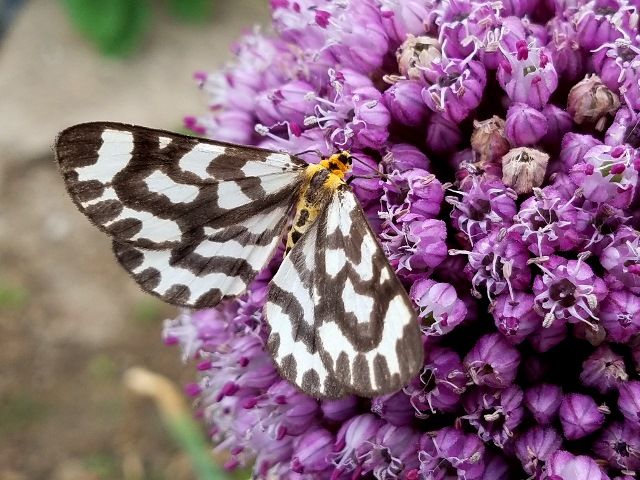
(191, 10)
(114, 26)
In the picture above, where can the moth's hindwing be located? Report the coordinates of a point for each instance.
(192, 220)
(341, 321)
(368, 335)
(290, 311)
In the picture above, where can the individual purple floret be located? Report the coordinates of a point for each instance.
(392, 453)
(450, 452)
(404, 101)
(622, 259)
(543, 401)
(394, 408)
(534, 448)
(497, 264)
(619, 445)
(527, 74)
(352, 442)
(454, 87)
(492, 362)
(603, 370)
(311, 450)
(580, 416)
(620, 315)
(494, 413)
(515, 317)
(525, 125)
(438, 306)
(629, 401)
(440, 383)
(562, 465)
(485, 207)
(568, 291)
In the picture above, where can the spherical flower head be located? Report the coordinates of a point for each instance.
(455, 87)
(629, 401)
(534, 448)
(487, 206)
(438, 306)
(603, 370)
(543, 401)
(568, 291)
(562, 465)
(492, 362)
(619, 445)
(512, 103)
(494, 413)
(440, 383)
(527, 74)
(580, 416)
(450, 452)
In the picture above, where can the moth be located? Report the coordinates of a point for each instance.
(194, 221)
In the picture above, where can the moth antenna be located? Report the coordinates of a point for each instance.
(376, 173)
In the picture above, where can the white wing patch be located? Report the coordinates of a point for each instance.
(163, 142)
(114, 154)
(198, 159)
(158, 182)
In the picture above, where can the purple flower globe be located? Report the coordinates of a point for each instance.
(498, 148)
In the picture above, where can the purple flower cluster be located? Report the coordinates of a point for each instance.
(499, 148)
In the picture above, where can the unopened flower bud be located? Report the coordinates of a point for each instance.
(488, 139)
(525, 125)
(590, 101)
(579, 416)
(416, 53)
(524, 168)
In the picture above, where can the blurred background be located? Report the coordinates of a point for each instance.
(71, 321)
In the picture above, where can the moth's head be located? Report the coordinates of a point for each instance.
(338, 163)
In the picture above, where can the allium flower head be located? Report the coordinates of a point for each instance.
(496, 151)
